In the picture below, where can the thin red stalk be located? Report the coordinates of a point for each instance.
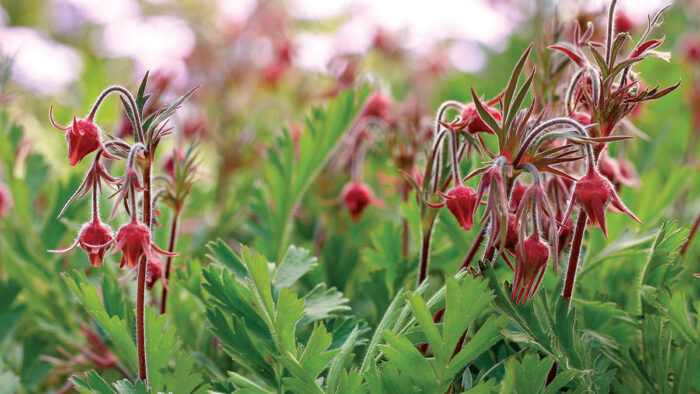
(693, 230)
(475, 247)
(574, 255)
(171, 248)
(424, 255)
(141, 283)
(132, 104)
(95, 208)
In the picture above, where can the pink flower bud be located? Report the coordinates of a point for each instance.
(530, 263)
(593, 192)
(691, 48)
(154, 273)
(356, 196)
(474, 123)
(95, 238)
(619, 172)
(134, 240)
(512, 232)
(378, 105)
(83, 137)
(461, 201)
(517, 195)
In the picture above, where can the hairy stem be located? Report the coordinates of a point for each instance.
(141, 283)
(574, 256)
(611, 32)
(132, 104)
(171, 248)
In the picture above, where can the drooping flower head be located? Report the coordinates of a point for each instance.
(618, 171)
(95, 238)
(473, 122)
(83, 137)
(154, 273)
(378, 105)
(134, 240)
(594, 193)
(461, 201)
(530, 263)
(517, 195)
(357, 196)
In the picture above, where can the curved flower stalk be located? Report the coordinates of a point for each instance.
(134, 239)
(520, 220)
(610, 90)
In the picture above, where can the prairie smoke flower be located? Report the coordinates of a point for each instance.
(83, 137)
(691, 48)
(95, 238)
(471, 120)
(517, 195)
(594, 193)
(461, 201)
(618, 171)
(378, 105)
(134, 240)
(154, 273)
(356, 196)
(530, 263)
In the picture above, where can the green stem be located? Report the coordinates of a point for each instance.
(171, 248)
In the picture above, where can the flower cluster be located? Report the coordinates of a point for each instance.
(134, 239)
(561, 148)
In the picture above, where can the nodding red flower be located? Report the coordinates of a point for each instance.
(154, 273)
(356, 196)
(517, 195)
(691, 48)
(473, 122)
(95, 238)
(619, 172)
(134, 240)
(83, 138)
(461, 201)
(594, 193)
(530, 263)
(378, 105)
(5, 200)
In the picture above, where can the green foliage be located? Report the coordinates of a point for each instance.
(289, 175)
(321, 303)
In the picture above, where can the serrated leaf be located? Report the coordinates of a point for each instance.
(323, 303)
(402, 352)
(222, 254)
(295, 263)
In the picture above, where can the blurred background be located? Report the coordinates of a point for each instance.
(260, 67)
